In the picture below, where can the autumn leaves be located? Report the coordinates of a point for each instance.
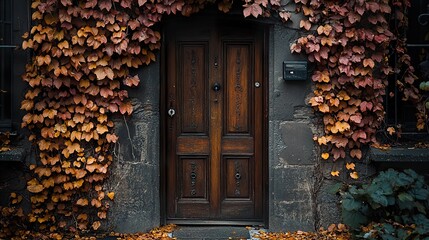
(348, 46)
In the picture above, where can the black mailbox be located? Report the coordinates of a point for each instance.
(295, 70)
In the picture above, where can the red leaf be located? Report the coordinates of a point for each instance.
(353, 17)
(132, 81)
(365, 106)
(141, 2)
(106, 92)
(126, 108)
(105, 4)
(125, 3)
(372, 6)
(133, 24)
(357, 118)
(337, 152)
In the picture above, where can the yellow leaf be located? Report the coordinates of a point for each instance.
(354, 175)
(325, 155)
(111, 195)
(335, 173)
(350, 166)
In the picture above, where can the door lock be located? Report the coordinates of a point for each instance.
(171, 112)
(216, 87)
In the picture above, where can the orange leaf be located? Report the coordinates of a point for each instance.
(111, 138)
(34, 186)
(96, 203)
(47, 183)
(335, 173)
(391, 130)
(350, 166)
(41, 171)
(82, 202)
(49, 113)
(324, 29)
(102, 129)
(325, 155)
(27, 105)
(324, 108)
(96, 225)
(367, 62)
(82, 217)
(111, 195)
(102, 215)
(305, 24)
(354, 175)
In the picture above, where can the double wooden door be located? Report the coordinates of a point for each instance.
(214, 122)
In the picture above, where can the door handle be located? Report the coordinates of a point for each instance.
(171, 112)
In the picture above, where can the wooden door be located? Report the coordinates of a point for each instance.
(214, 123)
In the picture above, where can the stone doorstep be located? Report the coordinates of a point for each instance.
(214, 233)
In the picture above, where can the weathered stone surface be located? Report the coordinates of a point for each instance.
(328, 205)
(293, 183)
(292, 216)
(285, 95)
(135, 180)
(291, 204)
(298, 141)
(135, 171)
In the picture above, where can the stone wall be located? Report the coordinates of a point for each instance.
(292, 151)
(135, 172)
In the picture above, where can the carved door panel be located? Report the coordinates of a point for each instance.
(214, 104)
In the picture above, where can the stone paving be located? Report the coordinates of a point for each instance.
(213, 233)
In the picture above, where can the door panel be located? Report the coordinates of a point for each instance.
(214, 141)
(193, 70)
(238, 95)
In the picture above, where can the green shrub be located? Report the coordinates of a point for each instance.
(393, 199)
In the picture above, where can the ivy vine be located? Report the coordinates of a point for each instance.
(80, 75)
(350, 47)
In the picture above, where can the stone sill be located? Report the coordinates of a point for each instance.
(16, 154)
(400, 155)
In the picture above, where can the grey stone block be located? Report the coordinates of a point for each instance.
(292, 184)
(292, 216)
(299, 145)
(136, 204)
(328, 205)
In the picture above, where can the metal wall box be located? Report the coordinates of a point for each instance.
(295, 70)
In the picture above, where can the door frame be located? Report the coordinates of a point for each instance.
(164, 116)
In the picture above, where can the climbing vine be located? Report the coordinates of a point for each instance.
(79, 76)
(84, 51)
(84, 56)
(350, 42)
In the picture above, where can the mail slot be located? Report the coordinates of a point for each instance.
(295, 70)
